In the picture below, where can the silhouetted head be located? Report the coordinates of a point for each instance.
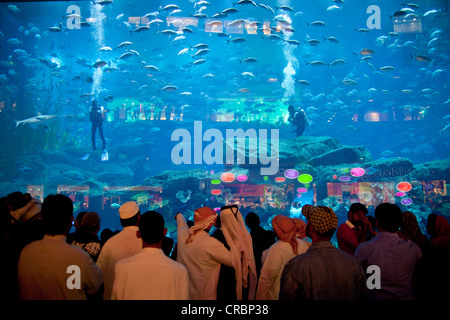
(57, 214)
(252, 220)
(388, 217)
(94, 104)
(151, 227)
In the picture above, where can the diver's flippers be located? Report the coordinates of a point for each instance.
(105, 155)
(87, 155)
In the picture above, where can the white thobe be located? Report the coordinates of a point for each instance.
(44, 273)
(276, 257)
(123, 245)
(202, 258)
(150, 275)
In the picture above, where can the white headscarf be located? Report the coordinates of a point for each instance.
(241, 247)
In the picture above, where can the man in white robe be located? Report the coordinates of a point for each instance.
(201, 254)
(123, 245)
(150, 274)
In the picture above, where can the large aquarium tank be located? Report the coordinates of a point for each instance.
(267, 104)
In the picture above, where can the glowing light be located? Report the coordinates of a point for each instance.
(400, 194)
(266, 178)
(241, 178)
(335, 176)
(291, 173)
(345, 170)
(344, 178)
(357, 172)
(302, 190)
(404, 186)
(216, 192)
(406, 201)
(227, 177)
(305, 178)
(280, 179)
(215, 181)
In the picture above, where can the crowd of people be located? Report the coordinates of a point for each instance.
(385, 257)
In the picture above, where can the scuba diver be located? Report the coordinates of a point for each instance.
(298, 119)
(97, 123)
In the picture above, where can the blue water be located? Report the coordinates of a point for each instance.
(51, 73)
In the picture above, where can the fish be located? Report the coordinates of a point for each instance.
(14, 41)
(99, 64)
(387, 68)
(108, 98)
(242, 2)
(398, 14)
(126, 55)
(338, 62)
(169, 88)
(14, 9)
(169, 7)
(179, 38)
(437, 73)
(237, 40)
(313, 42)
(431, 12)
(316, 63)
(56, 29)
(21, 52)
(316, 23)
(365, 52)
(33, 120)
(292, 42)
(123, 44)
(447, 127)
(183, 51)
(200, 46)
(273, 37)
(334, 8)
(202, 3)
(349, 82)
(103, 2)
(140, 29)
(331, 39)
(229, 11)
(285, 8)
(422, 58)
(304, 82)
(151, 68)
(247, 74)
(198, 62)
(168, 32)
(264, 6)
(249, 60)
(105, 49)
(201, 52)
(157, 21)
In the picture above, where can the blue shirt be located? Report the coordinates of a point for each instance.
(396, 258)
